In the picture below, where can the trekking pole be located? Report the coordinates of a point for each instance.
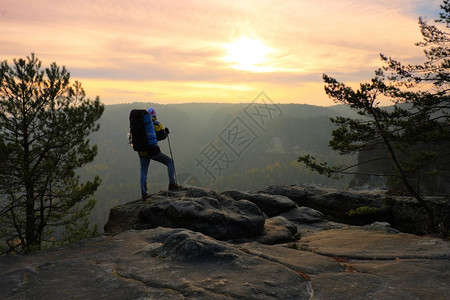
(171, 155)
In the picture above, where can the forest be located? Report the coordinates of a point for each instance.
(218, 146)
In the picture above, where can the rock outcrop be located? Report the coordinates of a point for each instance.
(202, 210)
(199, 244)
(365, 207)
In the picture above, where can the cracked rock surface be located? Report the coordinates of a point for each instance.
(167, 263)
(269, 261)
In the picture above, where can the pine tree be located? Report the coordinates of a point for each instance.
(414, 133)
(44, 125)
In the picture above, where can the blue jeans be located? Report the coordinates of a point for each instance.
(160, 157)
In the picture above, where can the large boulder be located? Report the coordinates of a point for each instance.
(186, 245)
(304, 214)
(409, 215)
(201, 210)
(123, 217)
(278, 230)
(351, 207)
(271, 205)
(363, 207)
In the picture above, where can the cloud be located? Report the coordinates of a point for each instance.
(181, 44)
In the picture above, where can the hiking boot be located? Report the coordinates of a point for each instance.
(145, 196)
(174, 186)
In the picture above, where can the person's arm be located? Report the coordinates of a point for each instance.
(160, 130)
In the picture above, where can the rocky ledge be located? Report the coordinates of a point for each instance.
(199, 244)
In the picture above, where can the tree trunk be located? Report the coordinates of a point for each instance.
(30, 242)
(411, 190)
(30, 232)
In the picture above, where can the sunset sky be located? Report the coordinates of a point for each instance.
(211, 50)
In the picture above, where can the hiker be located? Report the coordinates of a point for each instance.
(153, 152)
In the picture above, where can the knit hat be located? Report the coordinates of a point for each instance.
(152, 111)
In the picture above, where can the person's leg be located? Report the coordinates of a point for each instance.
(145, 161)
(164, 159)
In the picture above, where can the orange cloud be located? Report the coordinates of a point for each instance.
(174, 51)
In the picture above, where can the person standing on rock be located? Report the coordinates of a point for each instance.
(153, 152)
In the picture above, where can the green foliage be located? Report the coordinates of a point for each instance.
(321, 168)
(414, 134)
(44, 125)
(80, 230)
(363, 211)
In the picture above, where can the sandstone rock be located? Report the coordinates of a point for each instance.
(123, 217)
(271, 205)
(336, 204)
(166, 263)
(304, 215)
(381, 265)
(409, 216)
(278, 230)
(363, 207)
(411, 278)
(294, 256)
(225, 248)
(365, 244)
(381, 226)
(186, 245)
(197, 209)
(158, 263)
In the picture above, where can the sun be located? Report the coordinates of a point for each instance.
(248, 54)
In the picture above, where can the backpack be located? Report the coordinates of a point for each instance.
(143, 135)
